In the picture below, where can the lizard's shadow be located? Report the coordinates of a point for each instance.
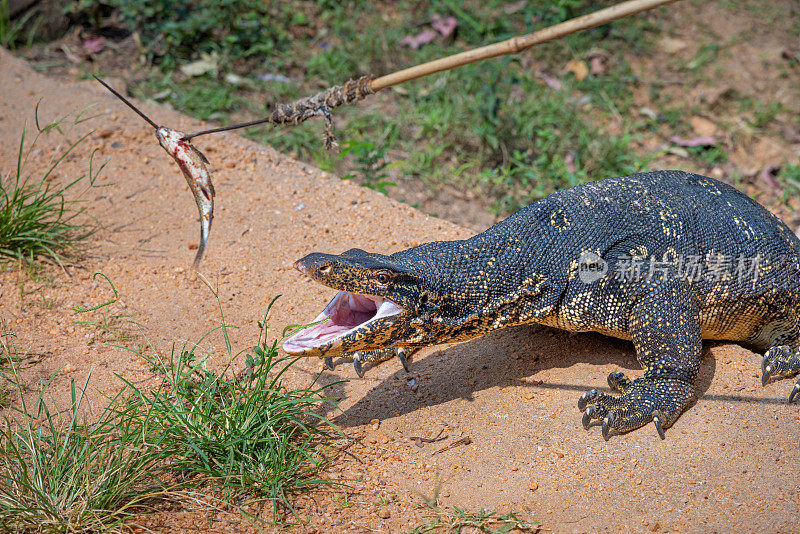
(501, 358)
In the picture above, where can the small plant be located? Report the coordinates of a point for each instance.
(247, 432)
(713, 155)
(58, 474)
(41, 217)
(370, 163)
(11, 32)
(112, 322)
(455, 520)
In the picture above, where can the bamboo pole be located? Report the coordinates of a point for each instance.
(518, 44)
(354, 90)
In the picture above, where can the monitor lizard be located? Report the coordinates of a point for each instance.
(664, 259)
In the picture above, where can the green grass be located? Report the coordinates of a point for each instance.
(18, 32)
(60, 474)
(42, 218)
(455, 520)
(246, 433)
(494, 127)
(246, 436)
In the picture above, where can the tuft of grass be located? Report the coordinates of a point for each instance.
(198, 430)
(59, 474)
(41, 217)
(371, 165)
(249, 433)
(11, 32)
(456, 520)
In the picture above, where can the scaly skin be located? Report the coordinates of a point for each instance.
(545, 264)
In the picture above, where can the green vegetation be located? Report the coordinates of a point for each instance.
(42, 217)
(455, 520)
(59, 474)
(496, 128)
(197, 430)
(11, 32)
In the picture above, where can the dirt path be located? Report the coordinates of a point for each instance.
(729, 464)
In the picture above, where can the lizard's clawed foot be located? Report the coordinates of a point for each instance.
(364, 356)
(660, 400)
(781, 362)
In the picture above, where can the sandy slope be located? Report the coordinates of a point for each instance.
(730, 462)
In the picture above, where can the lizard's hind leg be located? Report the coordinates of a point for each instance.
(781, 362)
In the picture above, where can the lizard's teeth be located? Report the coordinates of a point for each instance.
(387, 308)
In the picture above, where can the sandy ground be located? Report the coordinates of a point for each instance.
(730, 463)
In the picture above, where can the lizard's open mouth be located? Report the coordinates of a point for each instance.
(346, 315)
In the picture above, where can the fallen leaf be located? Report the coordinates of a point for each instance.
(597, 65)
(207, 64)
(694, 141)
(678, 151)
(648, 112)
(444, 26)
(569, 162)
(513, 7)
(578, 68)
(415, 41)
(96, 45)
(703, 127)
(549, 80)
(671, 46)
(273, 77)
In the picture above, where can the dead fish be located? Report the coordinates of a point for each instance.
(193, 165)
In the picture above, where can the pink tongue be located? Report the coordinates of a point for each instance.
(357, 310)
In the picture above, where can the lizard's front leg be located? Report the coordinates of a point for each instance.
(363, 356)
(665, 330)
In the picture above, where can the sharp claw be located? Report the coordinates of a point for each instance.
(401, 355)
(659, 428)
(583, 400)
(587, 418)
(329, 363)
(763, 364)
(765, 376)
(613, 378)
(357, 367)
(794, 393)
(606, 429)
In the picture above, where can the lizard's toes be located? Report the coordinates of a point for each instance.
(780, 362)
(658, 400)
(593, 415)
(619, 382)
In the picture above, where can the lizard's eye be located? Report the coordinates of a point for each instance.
(383, 278)
(325, 269)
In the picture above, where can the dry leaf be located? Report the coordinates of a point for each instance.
(703, 127)
(597, 65)
(578, 68)
(694, 141)
(444, 26)
(207, 64)
(671, 46)
(415, 41)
